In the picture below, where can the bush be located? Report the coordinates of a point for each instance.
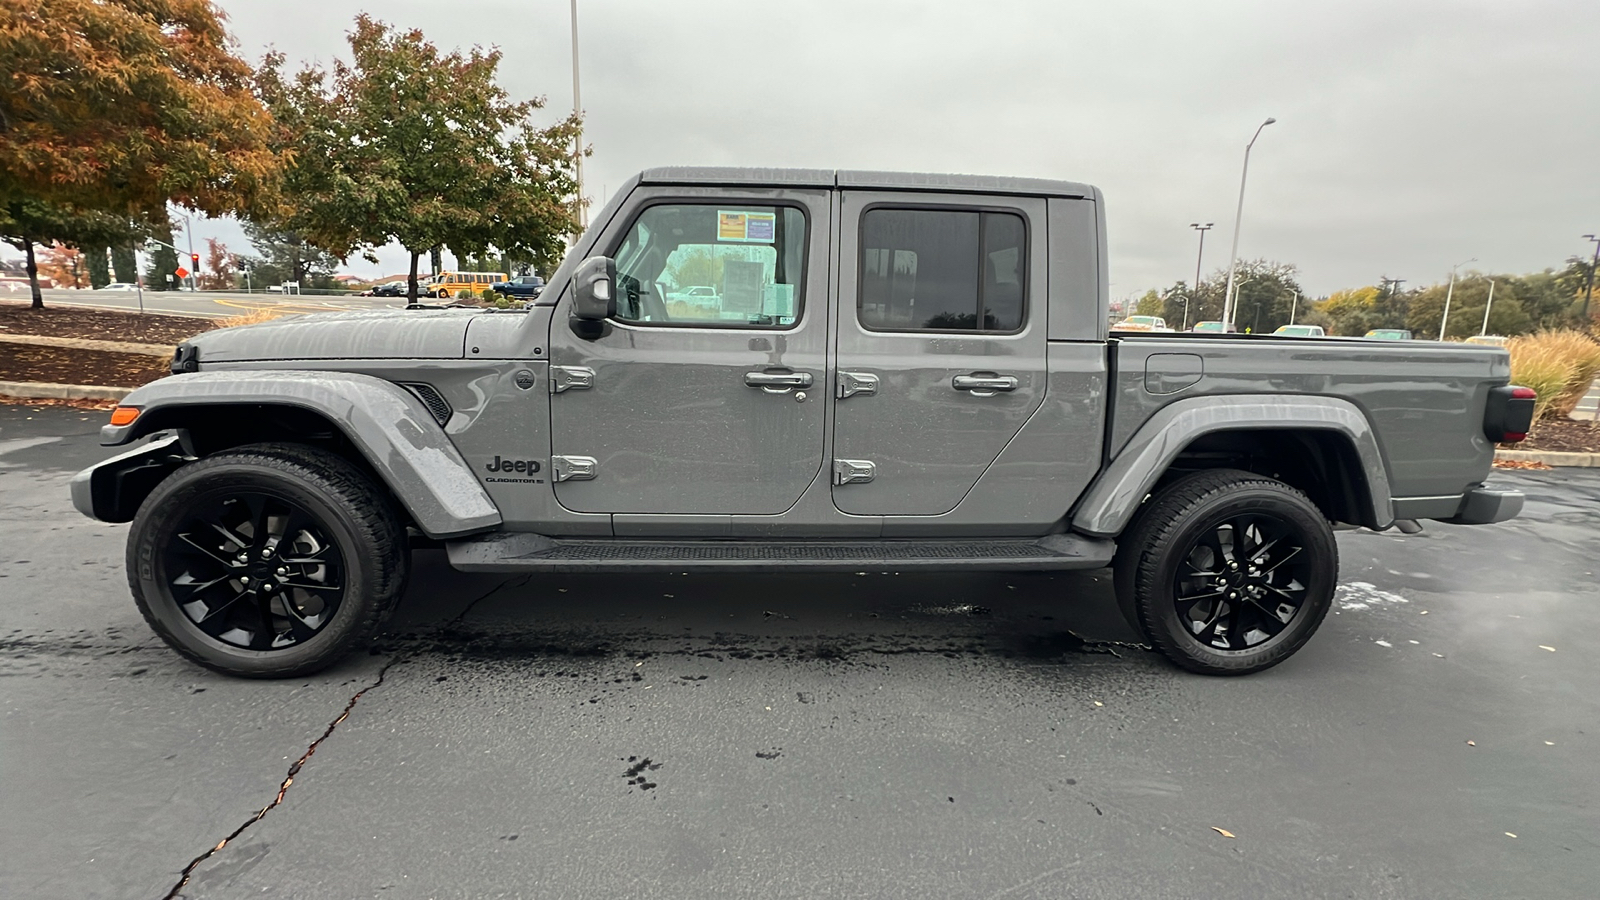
(488, 295)
(254, 316)
(1558, 365)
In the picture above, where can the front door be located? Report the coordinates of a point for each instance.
(702, 395)
(941, 345)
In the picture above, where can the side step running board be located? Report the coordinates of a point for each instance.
(522, 552)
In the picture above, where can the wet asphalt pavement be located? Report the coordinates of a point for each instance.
(819, 736)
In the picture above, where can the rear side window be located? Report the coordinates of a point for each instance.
(942, 270)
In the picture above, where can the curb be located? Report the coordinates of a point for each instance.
(39, 340)
(1551, 458)
(43, 390)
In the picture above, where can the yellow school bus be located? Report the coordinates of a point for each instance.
(460, 284)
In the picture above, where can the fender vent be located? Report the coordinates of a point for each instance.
(430, 397)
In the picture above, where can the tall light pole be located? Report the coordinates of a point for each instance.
(1194, 292)
(1238, 217)
(1449, 292)
(1589, 294)
(577, 109)
(1293, 306)
(1486, 307)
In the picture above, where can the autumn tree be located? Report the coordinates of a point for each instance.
(221, 267)
(64, 265)
(118, 107)
(410, 144)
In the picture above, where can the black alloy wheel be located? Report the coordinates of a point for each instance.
(267, 561)
(1227, 572)
(255, 570)
(1242, 582)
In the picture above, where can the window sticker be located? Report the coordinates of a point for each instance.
(739, 227)
(742, 283)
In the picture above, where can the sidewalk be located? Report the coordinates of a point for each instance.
(1589, 406)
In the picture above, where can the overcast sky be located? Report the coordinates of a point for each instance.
(1411, 135)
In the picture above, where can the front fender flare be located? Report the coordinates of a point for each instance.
(1110, 502)
(394, 432)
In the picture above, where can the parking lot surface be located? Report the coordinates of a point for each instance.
(869, 735)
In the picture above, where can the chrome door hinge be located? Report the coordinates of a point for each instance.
(570, 378)
(849, 384)
(854, 471)
(573, 468)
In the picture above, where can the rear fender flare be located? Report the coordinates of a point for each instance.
(1110, 502)
(393, 431)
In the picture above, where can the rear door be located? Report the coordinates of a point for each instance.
(940, 344)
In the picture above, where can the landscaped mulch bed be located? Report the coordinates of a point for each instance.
(100, 325)
(41, 403)
(1562, 436)
(24, 362)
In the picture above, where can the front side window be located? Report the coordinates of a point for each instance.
(942, 270)
(727, 265)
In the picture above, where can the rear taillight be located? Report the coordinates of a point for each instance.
(1508, 414)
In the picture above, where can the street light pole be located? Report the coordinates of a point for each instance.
(1449, 292)
(1294, 305)
(1194, 291)
(1486, 307)
(1238, 217)
(577, 109)
(1589, 293)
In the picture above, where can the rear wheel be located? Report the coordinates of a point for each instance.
(268, 561)
(444, 295)
(1228, 572)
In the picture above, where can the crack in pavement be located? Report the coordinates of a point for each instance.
(188, 871)
(294, 769)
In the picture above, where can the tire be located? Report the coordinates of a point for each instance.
(443, 295)
(1207, 607)
(267, 561)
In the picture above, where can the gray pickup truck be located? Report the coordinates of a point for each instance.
(894, 372)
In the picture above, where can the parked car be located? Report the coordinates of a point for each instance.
(1213, 327)
(390, 289)
(526, 286)
(119, 286)
(1488, 340)
(1142, 323)
(1300, 331)
(1388, 334)
(971, 413)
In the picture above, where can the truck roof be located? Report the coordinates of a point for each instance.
(849, 178)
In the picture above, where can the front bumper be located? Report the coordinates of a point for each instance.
(1486, 506)
(111, 491)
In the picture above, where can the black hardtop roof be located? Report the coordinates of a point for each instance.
(883, 181)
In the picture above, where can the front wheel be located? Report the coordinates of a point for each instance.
(268, 561)
(1228, 572)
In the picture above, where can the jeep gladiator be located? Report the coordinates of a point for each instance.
(894, 371)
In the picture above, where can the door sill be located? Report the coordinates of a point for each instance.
(521, 552)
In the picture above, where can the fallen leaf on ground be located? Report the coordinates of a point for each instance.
(1098, 703)
(1472, 743)
(1510, 835)
(1222, 831)
(1549, 743)
(1547, 647)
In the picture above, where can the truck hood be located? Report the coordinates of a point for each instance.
(375, 334)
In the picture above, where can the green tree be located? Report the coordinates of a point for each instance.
(1151, 304)
(1467, 303)
(99, 264)
(116, 107)
(163, 260)
(283, 256)
(409, 144)
(124, 262)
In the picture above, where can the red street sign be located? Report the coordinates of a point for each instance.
(182, 272)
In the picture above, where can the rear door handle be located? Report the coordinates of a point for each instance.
(984, 384)
(778, 382)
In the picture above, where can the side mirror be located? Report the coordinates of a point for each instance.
(594, 289)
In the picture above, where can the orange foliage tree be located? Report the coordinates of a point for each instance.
(221, 267)
(64, 265)
(115, 108)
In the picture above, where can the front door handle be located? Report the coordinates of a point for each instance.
(778, 382)
(984, 384)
